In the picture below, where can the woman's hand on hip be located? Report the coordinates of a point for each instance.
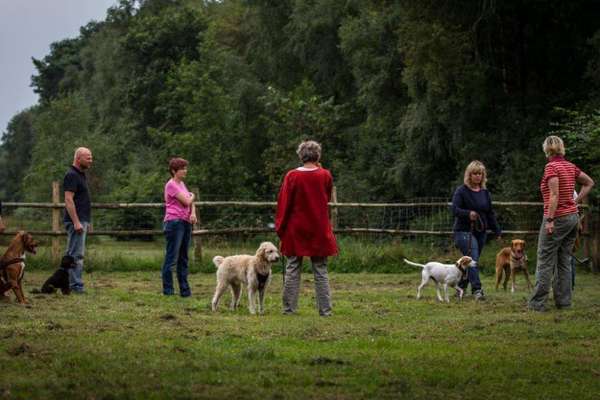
(550, 227)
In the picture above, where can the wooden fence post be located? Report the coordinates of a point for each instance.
(55, 222)
(197, 238)
(334, 211)
(592, 246)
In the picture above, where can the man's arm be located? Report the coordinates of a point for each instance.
(72, 211)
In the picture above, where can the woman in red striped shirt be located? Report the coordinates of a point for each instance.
(559, 227)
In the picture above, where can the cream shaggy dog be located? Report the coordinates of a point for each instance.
(253, 271)
(445, 274)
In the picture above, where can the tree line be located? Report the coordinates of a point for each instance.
(402, 95)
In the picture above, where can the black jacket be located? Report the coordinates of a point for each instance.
(464, 201)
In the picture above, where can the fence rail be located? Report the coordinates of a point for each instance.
(417, 218)
(260, 204)
(205, 232)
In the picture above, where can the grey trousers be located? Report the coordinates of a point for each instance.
(554, 263)
(291, 288)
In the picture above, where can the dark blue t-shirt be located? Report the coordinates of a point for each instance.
(75, 181)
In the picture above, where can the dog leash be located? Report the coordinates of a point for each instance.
(283, 263)
(476, 226)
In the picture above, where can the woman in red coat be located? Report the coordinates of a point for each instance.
(302, 224)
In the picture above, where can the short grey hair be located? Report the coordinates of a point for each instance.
(309, 151)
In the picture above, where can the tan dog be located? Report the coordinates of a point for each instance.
(252, 271)
(12, 264)
(509, 261)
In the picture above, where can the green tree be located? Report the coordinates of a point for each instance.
(15, 153)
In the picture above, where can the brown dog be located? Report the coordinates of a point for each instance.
(12, 264)
(511, 260)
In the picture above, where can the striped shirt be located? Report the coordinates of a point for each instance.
(567, 174)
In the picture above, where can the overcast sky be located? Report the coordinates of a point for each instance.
(27, 27)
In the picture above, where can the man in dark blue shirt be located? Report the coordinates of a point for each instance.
(78, 215)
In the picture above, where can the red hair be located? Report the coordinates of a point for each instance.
(175, 164)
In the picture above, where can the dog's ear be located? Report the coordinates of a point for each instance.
(465, 260)
(261, 251)
(28, 242)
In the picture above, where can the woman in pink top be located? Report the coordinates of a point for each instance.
(180, 215)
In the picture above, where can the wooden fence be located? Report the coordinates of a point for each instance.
(591, 228)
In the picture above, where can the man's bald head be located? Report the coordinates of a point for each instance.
(82, 158)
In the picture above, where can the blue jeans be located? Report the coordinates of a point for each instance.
(76, 249)
(178, 234)
(476, 241)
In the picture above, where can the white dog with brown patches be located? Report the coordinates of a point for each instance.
(252, 271)
(445, 274)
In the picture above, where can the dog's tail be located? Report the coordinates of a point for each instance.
(413, 263)
(218, 260)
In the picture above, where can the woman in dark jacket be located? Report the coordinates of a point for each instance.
(474, 215)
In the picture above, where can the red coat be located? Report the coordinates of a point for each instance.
(302, 220)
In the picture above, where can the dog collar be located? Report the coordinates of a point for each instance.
(516, 258)
(462, 270)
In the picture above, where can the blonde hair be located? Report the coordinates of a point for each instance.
(309, 151)
(553, 145)
(475, 166)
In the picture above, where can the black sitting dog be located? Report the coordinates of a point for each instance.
(60, 278)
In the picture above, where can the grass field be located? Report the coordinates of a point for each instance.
(124, 340)
(357, 254)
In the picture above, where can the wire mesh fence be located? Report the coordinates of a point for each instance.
(429, 220)
(432, 216)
